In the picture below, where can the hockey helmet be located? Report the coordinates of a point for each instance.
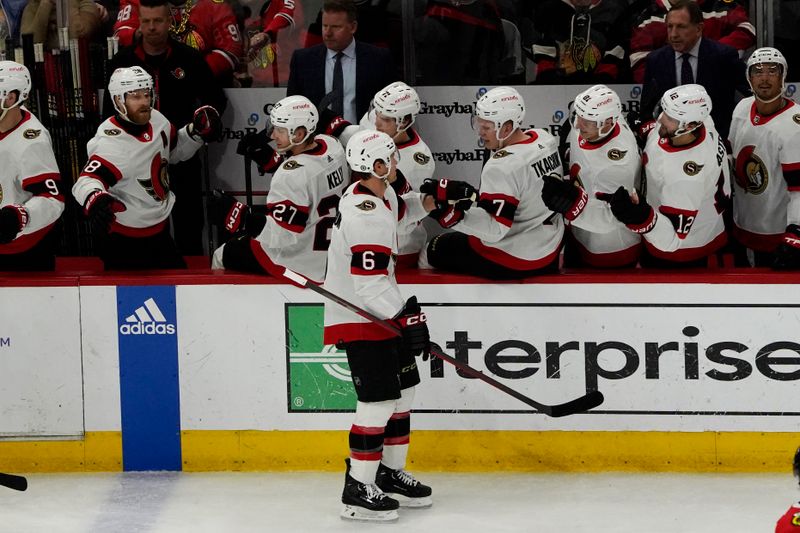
(128, 79)
(366, 147)
(500, 105)
(13, 77)
(768, 55)
(598, 104)
(291, 113)
(398, 101)
(688, 104)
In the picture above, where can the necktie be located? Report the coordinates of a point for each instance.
(686, 70)
(337, 88)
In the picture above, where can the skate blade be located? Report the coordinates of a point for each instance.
(405, 501)
(352, 512)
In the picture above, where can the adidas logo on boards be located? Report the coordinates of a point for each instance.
(147, 320)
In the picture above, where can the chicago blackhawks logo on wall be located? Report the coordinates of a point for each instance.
(751, 172)
(157, 185)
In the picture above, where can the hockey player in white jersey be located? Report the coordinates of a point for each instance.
(31, 201)
(383, 368)
(510, 233)
(301, 204)
(687, 185)
(124, 187)
(765, 135)
(603, 157)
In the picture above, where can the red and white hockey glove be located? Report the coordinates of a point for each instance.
(101, 207)
(639, 217)
(447, 217)
(331, 124)
(787, 255)
(563, 197)
(413, 324)
(13, 218)
(206, 124)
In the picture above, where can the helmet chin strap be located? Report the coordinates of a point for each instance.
(7, 109)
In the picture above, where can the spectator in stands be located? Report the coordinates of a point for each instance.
(460, 43)
(725, 21)
(277, 35)
(11, 18)
(209, 26)
(183, 82)
(348, 71)
(39, 18)
(31, 201)
(579, 41)
(691, 58)
(124, 187)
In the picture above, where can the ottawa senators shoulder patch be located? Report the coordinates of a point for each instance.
(796, 118)
(501, 154)
(615, 154)
(366, 205)
(691, 168)
(291, 165)
(421, 158)
(31, 133)
(113, 132)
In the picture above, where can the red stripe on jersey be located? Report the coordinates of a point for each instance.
(757, 241)
(618, 258)
(370, 260)
(101, 170)
(289, 215)
(355, 331)
(791, 173)
(25, 242)
(760, 120)
(128, 231)
(689, 254)
(501, 207)
(586, 145)
(264, 260)
(412, 140)
(682, 219)
(145, 136)
(25, 117)
(509, 261)
(37, 186)
(668, 147)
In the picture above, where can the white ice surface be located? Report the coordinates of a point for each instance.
(463, 503)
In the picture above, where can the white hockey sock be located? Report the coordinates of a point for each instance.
(363, 471)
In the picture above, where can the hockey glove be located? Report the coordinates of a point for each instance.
(639, 217)
(413, 326)
(639, 126)
(787, 255)
(256, 146)
(447, 217)
(450, 193)
(101, 207)
(227, 212)
(330, 123)
(13, 218)
(564, 197)
(206, 124)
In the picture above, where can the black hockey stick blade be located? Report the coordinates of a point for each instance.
(583, 403)
(13, 482)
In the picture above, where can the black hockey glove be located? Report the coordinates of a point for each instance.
(413, 326)
(564, 197)
(256, 146)
(101, 207)
(206, 124)
(447, 217)
(330, 123)
(639, 217)
(639, 126)
(450, 193)
(13, 218)
(787, 255)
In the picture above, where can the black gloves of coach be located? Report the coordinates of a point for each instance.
(452, 199)
(787, 255)
(639, 217)
(413, 326)
(206, 124)
(12, 219)
(101, 207)
(256, 146)
(563, 197)
(232, 215)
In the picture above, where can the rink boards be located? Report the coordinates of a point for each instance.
(228, 372)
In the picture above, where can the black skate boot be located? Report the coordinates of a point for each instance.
(366, 502)
(402, 485)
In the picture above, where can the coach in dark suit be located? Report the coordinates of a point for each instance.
(689, 58)
(352, 71)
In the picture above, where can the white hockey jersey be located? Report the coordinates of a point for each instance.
(416, 164)
(29, 177)
(361, 261)
(688, 187)
(603, 167)
(302, 205)
(510, 225)
(131, 163)
(767, 170)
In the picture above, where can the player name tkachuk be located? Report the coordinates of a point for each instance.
(547, 165)
(448, 157)
(446, 109)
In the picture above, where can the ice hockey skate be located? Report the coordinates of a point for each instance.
(402, 486)
(366, 502)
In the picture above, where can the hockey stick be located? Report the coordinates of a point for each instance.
(583, 403)
(13, 482)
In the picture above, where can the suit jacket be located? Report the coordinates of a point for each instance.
(719, 70)
(374, 71)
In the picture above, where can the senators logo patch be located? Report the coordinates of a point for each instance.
(366, 205)
(691, 168)
(421, 158)
(112, 132)
(615, 154)
(796, 118)
(750, 171)
(500, 154)
(291, 165)
(31, 134)
(796, 519)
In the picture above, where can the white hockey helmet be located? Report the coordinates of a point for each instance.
(688, 104)
(768, 55)
(13, 77)
(398, 101)
(294, 112)
(500, 105)
(366, 147)
(128, 79)
(598, 104)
